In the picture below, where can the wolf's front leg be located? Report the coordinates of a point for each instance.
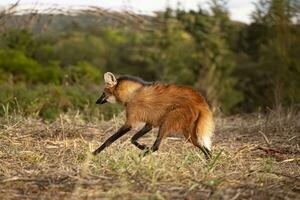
(122, 131)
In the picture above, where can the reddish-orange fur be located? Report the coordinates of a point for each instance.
(172, 108)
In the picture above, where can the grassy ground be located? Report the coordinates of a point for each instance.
(255, 157)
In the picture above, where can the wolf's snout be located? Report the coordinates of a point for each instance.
(102, 99)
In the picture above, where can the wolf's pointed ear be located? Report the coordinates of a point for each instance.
(110, 79)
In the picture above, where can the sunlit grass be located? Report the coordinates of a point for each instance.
(54, 161)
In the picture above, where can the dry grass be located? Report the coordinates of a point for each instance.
(255, 156)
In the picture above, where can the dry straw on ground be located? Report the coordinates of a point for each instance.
(255, 157)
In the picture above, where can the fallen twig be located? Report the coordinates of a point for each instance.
(265, 137)
(268, 150)
(290, 160)
(242, 149)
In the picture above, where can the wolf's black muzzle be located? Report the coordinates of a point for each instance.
(102, 99)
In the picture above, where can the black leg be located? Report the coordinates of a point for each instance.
(139, 134)
(124, 129)
(156, 144)
(206, 152)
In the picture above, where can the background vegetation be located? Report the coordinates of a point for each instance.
(55, 63)
(51, 69)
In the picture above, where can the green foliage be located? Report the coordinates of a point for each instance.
(238, 67)
(83, 72)
(17, 39)
(48, 101)
(76, 47)
(21, 67)
(51, 74)
(215, 59)
(175, 52)
(274, 41)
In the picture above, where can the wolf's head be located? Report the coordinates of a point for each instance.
(108, 93)
(119, 90)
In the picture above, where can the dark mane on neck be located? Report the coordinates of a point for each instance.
(134, 79)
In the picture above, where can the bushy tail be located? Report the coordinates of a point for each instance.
(205, 128)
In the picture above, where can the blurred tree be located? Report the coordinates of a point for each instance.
(174, 51)
(21, 67)
(227, 60)
(278, 57)
(215, 59)
(83, 73)
(17, 39)
(76, 47)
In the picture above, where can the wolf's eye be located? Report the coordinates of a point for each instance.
(108, 91)
(105, 90)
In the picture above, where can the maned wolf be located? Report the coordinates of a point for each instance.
(174, 109)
